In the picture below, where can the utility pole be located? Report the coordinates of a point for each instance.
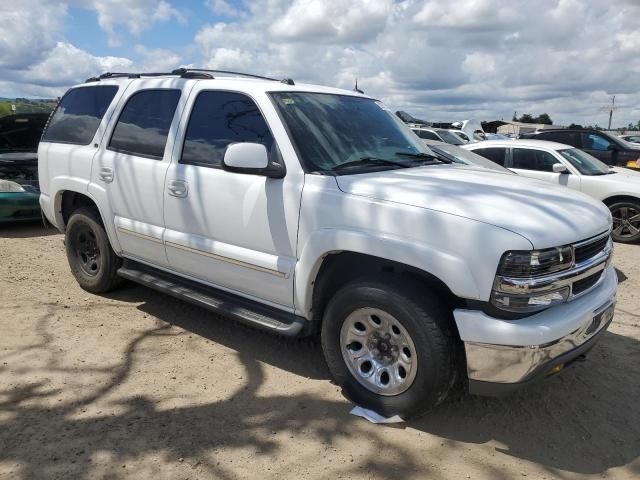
(613, 107)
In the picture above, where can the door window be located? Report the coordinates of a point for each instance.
(219, 119)
(593, 141)
(79, 114)
(538, 160)
(143, 126)
(496, 155)
(427, 135)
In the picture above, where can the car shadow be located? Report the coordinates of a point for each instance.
(585, 420)
(621, 276)
(30, 229)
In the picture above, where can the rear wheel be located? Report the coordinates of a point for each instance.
(391, 348)
(93, 262)
(626, 221)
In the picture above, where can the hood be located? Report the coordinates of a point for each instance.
(547, 215)
(21, 132)
(626, 174)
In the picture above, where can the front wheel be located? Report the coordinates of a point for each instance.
(626, 221)
(392, 349)
(93, 262)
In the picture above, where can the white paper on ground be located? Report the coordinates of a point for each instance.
(374, 417)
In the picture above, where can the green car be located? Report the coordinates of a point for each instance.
(19, 190)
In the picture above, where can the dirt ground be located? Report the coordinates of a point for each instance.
(137, 384)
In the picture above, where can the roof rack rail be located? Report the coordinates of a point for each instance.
(126, 75)
(183, 72)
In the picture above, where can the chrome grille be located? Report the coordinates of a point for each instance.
(585, 284)
(590, 248)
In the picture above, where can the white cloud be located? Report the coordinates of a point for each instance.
(437, 60)
(135, 16)
(222, 7)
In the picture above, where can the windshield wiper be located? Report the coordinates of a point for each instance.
(424, 155)
(369, 161)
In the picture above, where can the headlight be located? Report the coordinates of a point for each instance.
(534, 263)
(9, 186)
(529, 302)
(509, 291)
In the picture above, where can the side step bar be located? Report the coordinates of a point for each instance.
(216, 300)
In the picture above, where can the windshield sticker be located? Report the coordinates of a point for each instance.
(288, 101)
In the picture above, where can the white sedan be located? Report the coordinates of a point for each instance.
(618, 188)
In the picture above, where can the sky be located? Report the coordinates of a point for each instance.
(441, 61)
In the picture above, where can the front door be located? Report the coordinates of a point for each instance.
(599, 146)
(231, 230)
(538, 164)
(132, 165)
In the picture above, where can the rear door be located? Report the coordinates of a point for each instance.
(132, 162)
(538, 164)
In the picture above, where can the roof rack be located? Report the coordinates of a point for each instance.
(185, 73)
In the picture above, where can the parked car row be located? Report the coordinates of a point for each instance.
(303, 209)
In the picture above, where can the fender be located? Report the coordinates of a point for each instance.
(452, 270)
(61, 184)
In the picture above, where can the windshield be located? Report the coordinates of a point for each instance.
(449, 137)
(584, 163)
(330, 131)
(465, 157)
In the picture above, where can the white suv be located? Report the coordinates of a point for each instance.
(303, 209)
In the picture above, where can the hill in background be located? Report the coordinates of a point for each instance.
(26, 105)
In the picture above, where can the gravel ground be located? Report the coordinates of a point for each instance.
(137, 384)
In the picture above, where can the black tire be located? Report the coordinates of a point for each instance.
(626, 224)
(430, 326)
(85, 231)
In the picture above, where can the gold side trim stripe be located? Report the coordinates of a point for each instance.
(139, 235)
(227, 259)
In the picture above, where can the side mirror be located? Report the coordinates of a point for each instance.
(560, 168)
(251, 158)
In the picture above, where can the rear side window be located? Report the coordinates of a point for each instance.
(538, 160)
(496, 155)
(79, 114)
(143, 126)
(219, 119)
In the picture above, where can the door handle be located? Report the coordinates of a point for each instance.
(106, 174)
(178, 188)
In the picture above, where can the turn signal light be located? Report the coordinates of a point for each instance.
(633, 163)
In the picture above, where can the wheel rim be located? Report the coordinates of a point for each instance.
(378, 351)
(626, 222)
(87, 250)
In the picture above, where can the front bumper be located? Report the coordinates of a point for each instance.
(505, 355)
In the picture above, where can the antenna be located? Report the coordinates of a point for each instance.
(356, 89)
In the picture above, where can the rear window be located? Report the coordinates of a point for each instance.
(79, 114)
(496, 155)
(143, 126)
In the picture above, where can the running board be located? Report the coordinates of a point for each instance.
(227, 304)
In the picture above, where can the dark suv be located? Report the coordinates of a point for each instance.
(611, 150)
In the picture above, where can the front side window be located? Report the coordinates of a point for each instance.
(79, 114)
(219, 119)
(593, 141)
(427, 135)
(143, 126)
(466, 157)
(584, 163)
(496, 155)
(450, 137)
(348, 134)
(529, 159)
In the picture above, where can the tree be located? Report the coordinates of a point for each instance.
(544, 119)
(575, 125)
(526, 118)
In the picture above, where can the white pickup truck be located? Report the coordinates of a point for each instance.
(303, 209)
